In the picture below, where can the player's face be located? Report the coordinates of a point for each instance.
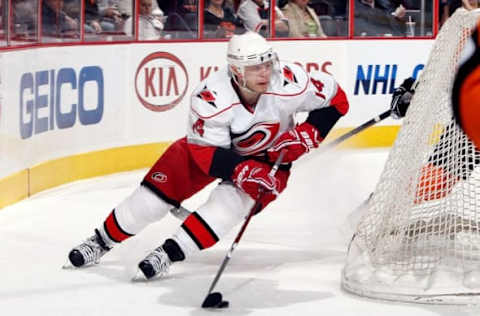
(258, 77)
(217, 3)
(146, 7)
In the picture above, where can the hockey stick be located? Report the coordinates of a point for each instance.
(182, 213)
(357, 129)
(214, 300)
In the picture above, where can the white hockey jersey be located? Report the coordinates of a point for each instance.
(218, 118)
(248, 12)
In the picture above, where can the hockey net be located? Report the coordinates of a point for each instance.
(419, 238)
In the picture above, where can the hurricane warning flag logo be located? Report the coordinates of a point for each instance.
(159, 177)
(161, 81)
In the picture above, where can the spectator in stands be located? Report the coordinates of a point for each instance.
(255, 15)
(55, 22)
(219, 21)
(125, 7)
(302, 20)
(321, 7)
(93, 19)
(25, 17)
(177, 6)
(109, 10)
(167, 6)
(340, 8)
(3, 14)
(333, 16)
(231, 4)
(182, 19)
(72, 8)
(149, 26)
(379, 18)
(447, 7)
(470, 4)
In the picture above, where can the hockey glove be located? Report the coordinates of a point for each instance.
(252, 177)
(297, 141)
(401, 98)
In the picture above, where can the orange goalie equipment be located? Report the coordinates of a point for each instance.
(434, 183)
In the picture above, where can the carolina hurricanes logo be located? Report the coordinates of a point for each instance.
(288, 75)
(207, 96)
(256, 139)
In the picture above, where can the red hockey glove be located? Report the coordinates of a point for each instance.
(252, 177)
(297, 141)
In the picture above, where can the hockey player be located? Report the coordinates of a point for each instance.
(466, 89)
(240, 118)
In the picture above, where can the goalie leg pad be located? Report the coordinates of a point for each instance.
(226, 207)
(434, 183)
(132, 215)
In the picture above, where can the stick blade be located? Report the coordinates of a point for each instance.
(214, 300)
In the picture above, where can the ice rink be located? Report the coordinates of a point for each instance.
(288, 263)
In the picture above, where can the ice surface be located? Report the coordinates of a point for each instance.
(288, 262)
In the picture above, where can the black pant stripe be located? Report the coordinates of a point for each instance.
(160, 194)
(192, 236)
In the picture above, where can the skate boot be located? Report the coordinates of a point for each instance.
(89, 252)
(156, 263)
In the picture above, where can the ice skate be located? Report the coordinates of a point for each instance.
(89, 252)
(157, 263)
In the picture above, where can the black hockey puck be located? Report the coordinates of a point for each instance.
(223, 304)
(215, 300)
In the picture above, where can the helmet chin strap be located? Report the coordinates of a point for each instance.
(248, 90)
(243, 87)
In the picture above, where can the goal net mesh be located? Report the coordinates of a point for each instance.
(419, 238)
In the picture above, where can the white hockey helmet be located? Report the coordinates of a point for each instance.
(248, 49)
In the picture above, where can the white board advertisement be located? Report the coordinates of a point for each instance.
(60, 101)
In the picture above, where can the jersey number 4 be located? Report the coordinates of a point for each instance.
(319, 85)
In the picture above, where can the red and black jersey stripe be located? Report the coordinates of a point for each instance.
(325, 118)
(113, 229)
(200, 232)
(215, 161)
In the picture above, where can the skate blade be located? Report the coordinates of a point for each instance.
(139, 277)
(68, 266)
